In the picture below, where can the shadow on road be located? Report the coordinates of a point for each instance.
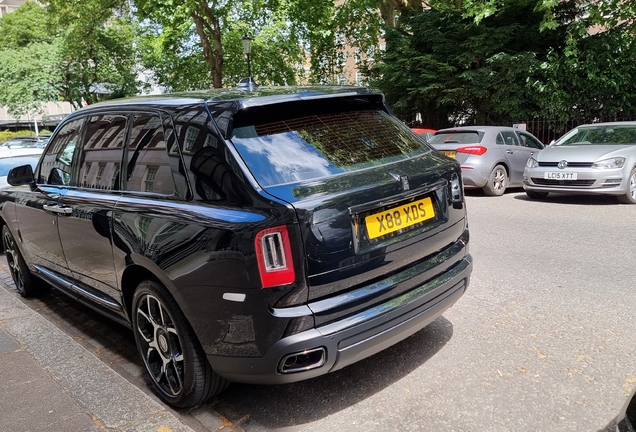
(268, 406)
(598, 200)
(299, 403)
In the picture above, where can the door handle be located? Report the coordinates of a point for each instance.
(58, 209)
(509, 152)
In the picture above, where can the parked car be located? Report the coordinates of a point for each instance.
(590, 159)
(492, 157)
(424, 132)
(265, 236)
(626, 419)
(25, 142)
(11, 161)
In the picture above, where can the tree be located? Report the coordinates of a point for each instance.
(28, 61)
(451, 69)
(98, 55)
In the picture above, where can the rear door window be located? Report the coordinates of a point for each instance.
(507, 138)
(322, 145)
(148, 165)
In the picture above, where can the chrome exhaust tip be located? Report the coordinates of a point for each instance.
(302, 361)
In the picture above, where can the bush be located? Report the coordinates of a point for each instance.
(7, 135)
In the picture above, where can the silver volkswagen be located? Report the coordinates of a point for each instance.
(590, 159)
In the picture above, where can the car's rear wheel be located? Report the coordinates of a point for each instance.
(536, 195)
(171, 353)
(497, 182)
(24, 281)
(630, 196)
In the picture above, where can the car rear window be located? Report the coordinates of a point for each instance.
(456, 138)
(315, 146)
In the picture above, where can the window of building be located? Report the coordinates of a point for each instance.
(342, 79)
(191, 138)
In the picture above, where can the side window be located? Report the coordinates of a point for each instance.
(528, 140)
(500, 139)
(510, 138)
(103, 148)
(56, 164)
(148, 165)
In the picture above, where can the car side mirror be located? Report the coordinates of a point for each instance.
(20, 175)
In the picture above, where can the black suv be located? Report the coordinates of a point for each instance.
(264, 236)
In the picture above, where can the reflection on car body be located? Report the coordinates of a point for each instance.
(230, 231)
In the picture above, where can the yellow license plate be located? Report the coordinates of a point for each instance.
(449, 153)
(397, 218)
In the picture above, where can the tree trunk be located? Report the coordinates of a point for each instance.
(207, 25)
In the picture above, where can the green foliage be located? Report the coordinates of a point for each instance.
(6, 135)
(28, 78)
(451, 69)
(593, 81)
(28, 24)
(98, 56)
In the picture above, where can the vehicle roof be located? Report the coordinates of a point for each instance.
(258, 96)
(617, 123)
(476, 128)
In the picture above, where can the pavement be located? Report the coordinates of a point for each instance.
(50, 382)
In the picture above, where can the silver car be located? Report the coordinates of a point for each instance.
(492, 157)
(593, 159)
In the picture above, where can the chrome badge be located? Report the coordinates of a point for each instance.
(403, 179)
(563, 164)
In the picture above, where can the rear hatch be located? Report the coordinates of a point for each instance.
(371, 199)
(458, 143)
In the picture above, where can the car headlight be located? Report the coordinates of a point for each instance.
(615, 162)
(532, 163)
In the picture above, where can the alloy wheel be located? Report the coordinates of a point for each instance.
(13, 261)
(160, 345)
(499, 179)
(632, 185)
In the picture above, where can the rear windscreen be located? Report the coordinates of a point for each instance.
(455, 138)
(315, 146)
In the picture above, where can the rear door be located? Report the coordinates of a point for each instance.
(516, 154)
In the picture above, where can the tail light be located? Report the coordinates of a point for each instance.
(476, 150)
(273, 252)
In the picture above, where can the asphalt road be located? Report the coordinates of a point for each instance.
(543, 340)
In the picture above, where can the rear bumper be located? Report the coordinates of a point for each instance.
(356, 337)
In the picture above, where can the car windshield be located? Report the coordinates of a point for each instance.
(599, 135)
(7, 163)
(321, 145)
(472, 137)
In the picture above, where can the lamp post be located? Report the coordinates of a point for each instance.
(247, 50)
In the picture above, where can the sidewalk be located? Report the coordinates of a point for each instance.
(49, 382)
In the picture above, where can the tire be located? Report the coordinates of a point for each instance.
(497, 182)
(629, 197)
(536, 195)
(170, 351)
(25, 283)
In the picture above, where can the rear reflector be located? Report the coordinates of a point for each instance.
(476, 150)
(273, 252)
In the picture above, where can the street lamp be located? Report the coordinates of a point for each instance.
(247, 50)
